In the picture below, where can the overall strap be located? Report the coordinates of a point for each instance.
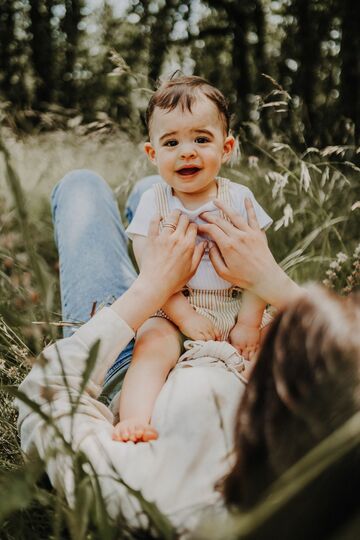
(224, 193)
(161, 199)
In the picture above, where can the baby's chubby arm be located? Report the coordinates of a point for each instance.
(177, 308)
(245, 335)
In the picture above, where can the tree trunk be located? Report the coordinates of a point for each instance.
(241, 73)
(314, 22)
(70, 27)
(309, 36)
(159, 39)
(238, 15)
(11, 75)
(42, 49)
(350, 64)
(261, 62)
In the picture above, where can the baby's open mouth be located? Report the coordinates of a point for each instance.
(188, 171)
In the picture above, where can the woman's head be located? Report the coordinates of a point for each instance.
(305, 384)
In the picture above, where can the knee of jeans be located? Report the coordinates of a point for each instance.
(82, 183)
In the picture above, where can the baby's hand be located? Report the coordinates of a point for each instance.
(196, 326)
(245, 339)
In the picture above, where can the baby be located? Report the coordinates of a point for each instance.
(188, 123)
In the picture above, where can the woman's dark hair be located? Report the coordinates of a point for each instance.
(305, 385)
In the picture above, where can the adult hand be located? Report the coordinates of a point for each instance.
(170, 257)
(169, 260)
(242, 257)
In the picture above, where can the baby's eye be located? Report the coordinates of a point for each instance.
(201, 140)
(170, 143)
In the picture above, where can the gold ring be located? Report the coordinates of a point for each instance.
(170, 226)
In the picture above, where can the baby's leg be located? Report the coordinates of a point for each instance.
(157, 349)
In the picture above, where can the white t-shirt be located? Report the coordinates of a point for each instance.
(206, 276)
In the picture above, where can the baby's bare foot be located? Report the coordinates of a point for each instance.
(135, 430)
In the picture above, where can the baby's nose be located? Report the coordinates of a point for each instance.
(188, 150)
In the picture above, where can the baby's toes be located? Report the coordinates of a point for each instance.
(130, 430)
(120, 433)
(133, 430)
(150, 434)
(139, 432)
(115, 436)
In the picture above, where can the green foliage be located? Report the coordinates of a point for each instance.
(55, 58)
(19, 488)
(87, 517)
(312, 199)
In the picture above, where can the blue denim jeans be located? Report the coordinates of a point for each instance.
(95, 268)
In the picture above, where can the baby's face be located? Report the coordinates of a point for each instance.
(189, 147)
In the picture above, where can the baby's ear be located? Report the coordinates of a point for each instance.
(229, 144)
(150, 152)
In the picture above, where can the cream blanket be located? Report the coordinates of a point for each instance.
(194, 415)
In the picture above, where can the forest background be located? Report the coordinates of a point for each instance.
(75, 78)
(55, 54)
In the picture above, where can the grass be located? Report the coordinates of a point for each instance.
(313, 198)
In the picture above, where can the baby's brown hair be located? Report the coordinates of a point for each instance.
(184, 91)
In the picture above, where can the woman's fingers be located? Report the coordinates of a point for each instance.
(238, 221)
(182, 225)
(191, 233)
(154, 226)
(175, 247)
(177, 225)
(170, 224)
(252, 219)
(197, 256)
(224, 225)
(218, 262)
(214, 232)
